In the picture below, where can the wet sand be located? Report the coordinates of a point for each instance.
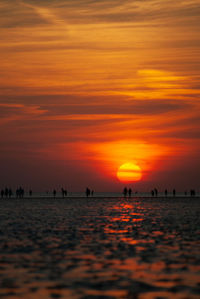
(100, 248)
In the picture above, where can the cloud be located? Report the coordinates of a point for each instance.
(18, 112)
(28, 13)
(14, 14)
(86, 108)
(45, 13)
(129, 11)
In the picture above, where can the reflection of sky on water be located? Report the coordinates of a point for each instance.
(110, 247)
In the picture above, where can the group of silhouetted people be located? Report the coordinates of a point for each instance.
(192, 192)
(154, 192)
(7, 192)
(63, 192)
(89, 192)
(20, 192)
(127, 191)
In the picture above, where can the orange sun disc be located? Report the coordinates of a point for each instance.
(129, 172)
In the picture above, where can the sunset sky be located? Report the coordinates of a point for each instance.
(89, 86)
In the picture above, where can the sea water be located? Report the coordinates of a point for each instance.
(100, 247)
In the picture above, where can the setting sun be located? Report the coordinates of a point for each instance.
(129, 172)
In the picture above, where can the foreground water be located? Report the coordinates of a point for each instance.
(100, 248)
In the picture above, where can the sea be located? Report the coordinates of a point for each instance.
(100, 247)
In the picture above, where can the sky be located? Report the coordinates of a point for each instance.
(89, 87)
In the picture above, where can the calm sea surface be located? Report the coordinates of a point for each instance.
(100, 247)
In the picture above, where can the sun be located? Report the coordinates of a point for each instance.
(129, 172)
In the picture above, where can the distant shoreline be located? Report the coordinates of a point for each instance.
(102, 197)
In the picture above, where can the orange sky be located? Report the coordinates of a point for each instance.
(88, 86)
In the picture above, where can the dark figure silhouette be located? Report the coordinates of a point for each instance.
(129, 192)
(30, 192)
(156, 192)
(6, 192)
(152, 193)
(64, 192)
(87, 192)
(10, 193)
(54, 193)
(125, 192)
(92, 192)
(2, 193)
(20, 192)
(166, 192)
(192, 193)
(174, 192)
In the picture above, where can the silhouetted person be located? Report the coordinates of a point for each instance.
(192, 193)
(54, 193)
(166, 192)
(30, 193)
(125, 192)
(21, 192)
(156, 192)
(10, 193)
(6, 192)
(129, 192)
(185, 193)
(174, 192)
(152, 193)
(2, 193)
(63, 192)
(92, 192)
(87, 192)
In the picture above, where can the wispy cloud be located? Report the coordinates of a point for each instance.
(45, 13)
(18, 112)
